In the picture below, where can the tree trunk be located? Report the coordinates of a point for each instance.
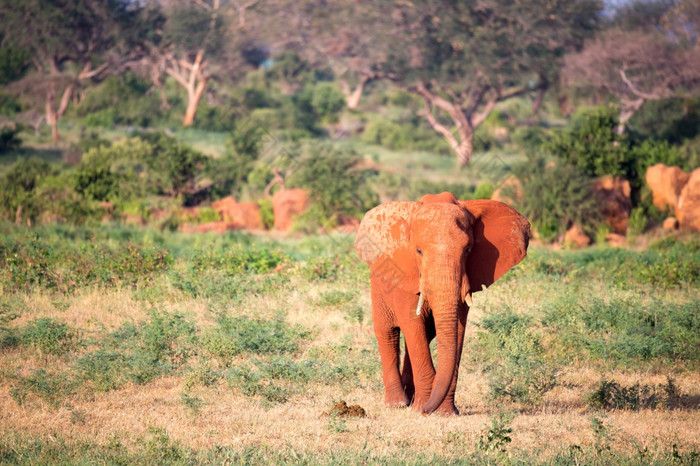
(193, 98)
(51, 116)
(627, 111)
(352, 99)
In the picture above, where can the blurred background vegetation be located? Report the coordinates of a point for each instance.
(136, 107)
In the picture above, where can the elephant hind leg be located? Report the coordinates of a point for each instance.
(407, 376)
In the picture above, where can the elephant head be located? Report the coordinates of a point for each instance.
(435, 253)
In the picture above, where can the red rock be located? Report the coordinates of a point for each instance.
(286, 205)
(613, 194)
(614, 239)
(688, 210)
(210, 227)
(575, 237)
(671, 223)
(666, 184)
(245, 214)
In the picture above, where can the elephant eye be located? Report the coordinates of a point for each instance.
(420, 253)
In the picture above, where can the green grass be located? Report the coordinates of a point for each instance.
(158, 448)
(239, 315)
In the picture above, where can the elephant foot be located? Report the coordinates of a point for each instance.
(396, 399)
(447, 408)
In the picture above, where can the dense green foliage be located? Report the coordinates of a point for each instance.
(555, 196)
(594, 146)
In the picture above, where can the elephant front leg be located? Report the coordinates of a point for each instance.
(420, 362)
(448, 406)
(388, 341)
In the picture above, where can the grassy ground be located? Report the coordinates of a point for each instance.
(125, 345)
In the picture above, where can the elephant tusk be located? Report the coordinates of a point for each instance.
(420, 303)
(468, 299)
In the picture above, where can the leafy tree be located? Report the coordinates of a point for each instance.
(13, 64)
(196, 37)
(71, 43)
(595, 148)
(462, 58)
(651, 52)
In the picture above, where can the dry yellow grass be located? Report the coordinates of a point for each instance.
(228, 418)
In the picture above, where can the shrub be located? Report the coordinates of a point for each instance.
(139, 353)
(230, 172)
(9, 139)
(235, 261)
(61, 265)
(49, 336)
(555, 196)
(235, 335)
(120, 100)
(50, 387)
(135, 167)
(337, 186)
(327, 101)
(612, 395)
(595, 148)
(514, 358)
(625, 332)
(13, 64)
(593, 145)
(18, 188)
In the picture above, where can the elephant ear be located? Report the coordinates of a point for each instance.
(382, 242)
(501, 237)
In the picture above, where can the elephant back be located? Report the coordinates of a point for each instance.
(383, 229)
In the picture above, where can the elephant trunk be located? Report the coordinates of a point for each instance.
(446, 332)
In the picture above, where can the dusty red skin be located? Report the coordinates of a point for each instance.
(442, 248)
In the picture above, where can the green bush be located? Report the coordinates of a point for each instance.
(49, 336)
(236, 261)
(51, 263)
(120, 100)
(595, 148)
(230, 172)
(624, 332)
(13, 64)
(672, 120)
(327, 101)
(139, 353)
(555, 196)
(235, 335)
(336, 185)
(9, 105)
(52, 388)
(138, 166)
(612, 395)
(514, 358)
(666, 264)
(19, 186)
(9, 138)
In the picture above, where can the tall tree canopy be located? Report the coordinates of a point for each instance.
(461, 58)
(72, 42)
(650, 52)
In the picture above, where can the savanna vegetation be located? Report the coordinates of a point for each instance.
(125, 340)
